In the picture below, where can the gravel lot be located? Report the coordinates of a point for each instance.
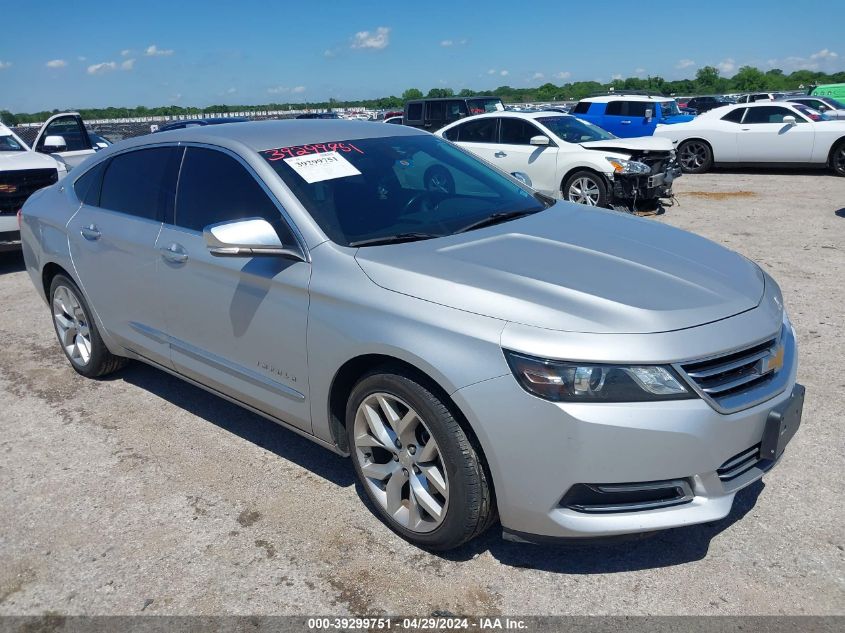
(142, 493)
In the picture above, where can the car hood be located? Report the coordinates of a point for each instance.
(638, 144)
(25, 160)
(574, 268)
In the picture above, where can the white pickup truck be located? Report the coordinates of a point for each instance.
(61, 144)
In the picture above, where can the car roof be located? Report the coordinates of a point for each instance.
(534, 114)
(262, 135)
(617, 97)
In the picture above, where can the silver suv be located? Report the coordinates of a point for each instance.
(479, 350)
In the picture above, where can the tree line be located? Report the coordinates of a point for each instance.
(707, 80)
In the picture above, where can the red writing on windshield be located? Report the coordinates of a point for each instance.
(303, 150)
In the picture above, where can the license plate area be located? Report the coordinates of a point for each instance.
(782, 424)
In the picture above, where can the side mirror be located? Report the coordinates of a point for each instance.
(522, 176)
(789, 120)
(246, 238)
(649, 113)
(539, 140)
(54, 144)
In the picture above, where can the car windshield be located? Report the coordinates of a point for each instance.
(482, 106)
(669, 108)
(574, 130)
(417, 185)
(9, 144)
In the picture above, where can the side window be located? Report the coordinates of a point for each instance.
(614, 108)
(478, 131)
(70, 129)
(141, 183)
(214, 187)
(435, 110)
(581, 107)
(87, 187)
(415, 111)
(517, 131)
(768, 114)
(734, 116)
(455, 109)
(638, 108)
(452, 134)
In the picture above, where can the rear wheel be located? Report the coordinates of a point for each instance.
(695, 156)
(415, 463)
(837, 159)
(585, 187)
(77, 332)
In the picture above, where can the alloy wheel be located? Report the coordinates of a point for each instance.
(584, 191)
(693, 156)
(401, 463)
(72, 325)
(839, 160)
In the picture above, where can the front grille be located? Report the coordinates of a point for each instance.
(739, 464)
(17, 185)
(733, 373)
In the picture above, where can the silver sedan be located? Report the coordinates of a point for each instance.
(481, 351)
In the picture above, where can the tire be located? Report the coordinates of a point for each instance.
(585, 187)
(837, 158)
(695, 157)
(77, 333)
(450, 475)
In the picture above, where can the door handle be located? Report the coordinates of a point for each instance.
(90, 232)
(175, 253)
(500, 154)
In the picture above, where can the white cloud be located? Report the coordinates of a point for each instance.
(563, 74)
(231, 91)
(376, 40)
(125, 52)
(155, 51)
(446, 43)
(685, 63)
(102, 67)
(329, 53)
(128, 64)
(4, 64)
(824, 54)
(538, 76)
(504, 73)
(726, 66)
(616, 76)
(82, 58)
(639, 71)
(492, 71)
(298, 89)
(278, 90)
(56, 63)
(463, 42)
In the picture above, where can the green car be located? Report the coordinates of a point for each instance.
(837, 91)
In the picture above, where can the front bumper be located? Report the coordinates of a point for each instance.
(538, 450)
(642, 192)
(10, 240)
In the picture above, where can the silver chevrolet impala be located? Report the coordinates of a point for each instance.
(480, 351)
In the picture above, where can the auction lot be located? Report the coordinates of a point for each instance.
(141, 493)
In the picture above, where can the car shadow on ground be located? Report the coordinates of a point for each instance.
(775, 171)
(637, 552)
(840, 213)
(11, 262)
(660, 549)
(238, 421)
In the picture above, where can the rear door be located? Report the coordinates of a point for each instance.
(478, 135)
(112, 244)
(72, 130)
(628, 119)
(765, 138)
(236, 324)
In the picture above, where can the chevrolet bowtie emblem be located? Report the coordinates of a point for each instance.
(772, 362)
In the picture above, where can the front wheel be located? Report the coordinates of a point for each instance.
(585, 187)
(415, 462)
(695, 157)
(837, 159)
(77, 332)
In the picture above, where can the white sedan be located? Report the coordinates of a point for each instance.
(766, 133)
(565, 157)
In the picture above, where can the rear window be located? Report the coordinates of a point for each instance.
(435, 110)
(581, 107)
(734, 116)
(478, 131)
(87, 187)
(482, 106)
(415, 111)
(629, 108)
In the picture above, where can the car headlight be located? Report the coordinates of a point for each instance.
(564, 381)
(623, 166)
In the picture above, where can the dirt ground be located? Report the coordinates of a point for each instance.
(143, 494)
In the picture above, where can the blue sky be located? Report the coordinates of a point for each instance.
(97, 54)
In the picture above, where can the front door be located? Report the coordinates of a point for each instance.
(112, 244)
(765, 138)
(235, 324)
(70, 128)
(516, 154)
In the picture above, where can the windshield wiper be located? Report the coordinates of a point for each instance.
(496, 218)
(395, 239)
